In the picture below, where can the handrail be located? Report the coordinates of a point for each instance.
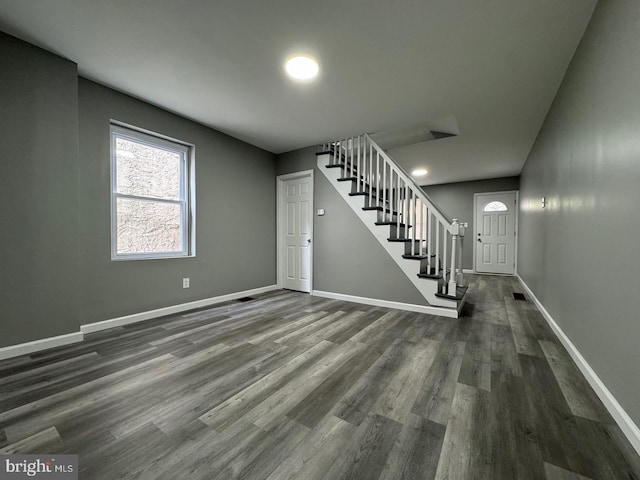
(408, 179)
(402, 203)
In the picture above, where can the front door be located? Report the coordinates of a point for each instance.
(295, 231)
(495, 232)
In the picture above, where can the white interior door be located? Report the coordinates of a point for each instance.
(495, 232)
(295, 230)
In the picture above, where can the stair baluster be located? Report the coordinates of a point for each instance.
(435, 240)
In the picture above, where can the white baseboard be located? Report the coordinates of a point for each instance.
(443, 312)
(161, 312)
(46, 343)
(468, 270)
(624, 421)
(38, 345)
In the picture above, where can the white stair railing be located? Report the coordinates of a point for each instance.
(432, 236)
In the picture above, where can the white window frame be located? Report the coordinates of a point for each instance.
(187, 190)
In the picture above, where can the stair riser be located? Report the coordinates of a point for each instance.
(358, 186)
(402, 232)
(424, 268)
(411, 248)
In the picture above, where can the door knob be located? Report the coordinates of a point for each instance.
(308, 240)
(480, 240)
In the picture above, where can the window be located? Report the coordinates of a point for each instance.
(496, 207)
(151, 185)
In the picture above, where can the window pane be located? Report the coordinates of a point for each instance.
(148, 227)
(147, 171)
(496, 207)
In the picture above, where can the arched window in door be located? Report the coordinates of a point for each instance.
(495, 207)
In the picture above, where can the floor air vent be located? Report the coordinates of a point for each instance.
(246, 299)
(519, 296)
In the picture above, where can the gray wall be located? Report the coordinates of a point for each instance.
(38, 193)
(579, 255)
(56, 271)
(347, 258)
(235, 214)
(456, 200)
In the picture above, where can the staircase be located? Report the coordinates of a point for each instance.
(420, 238)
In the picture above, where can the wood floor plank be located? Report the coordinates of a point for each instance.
(504, 356)
(294, 325)
(296, 335)
(313, 457)
(475, 370)
(399, 395)
(319, 402)
(514, 451)
(202, 453)
(553, 472)
(287, 385)
(272, 449)
(576, 390)
(523, 335)
(416, 451)
(228, 382)
(345, 322)
(367, 452)
(129, 457)
(437, 391)
(457, 454)
(229, 411)
(598, 456)
(267, 413)
(39, 442)
(358, 402)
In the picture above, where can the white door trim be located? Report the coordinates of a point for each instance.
(280, 179)
(475, 214)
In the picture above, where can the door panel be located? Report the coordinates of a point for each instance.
(502, 225)
(295, 238)
(486, 254)
(502, 253)
(291, 262)
(494, 232)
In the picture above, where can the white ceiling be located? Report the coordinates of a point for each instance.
(488, 69)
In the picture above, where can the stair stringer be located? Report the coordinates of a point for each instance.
(426, 286)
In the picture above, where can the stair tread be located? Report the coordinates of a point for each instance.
(406, 240)
(342, 165)
(380, 208)
(430, 275)
(418, 257)
(358, 178)
(358, 194)
(402, 225)
(460, 293)
(332, 152)
(363, 182)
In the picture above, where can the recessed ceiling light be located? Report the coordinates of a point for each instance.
(419, 172)
(301, 68)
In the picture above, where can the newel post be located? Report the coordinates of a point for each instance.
(455, 232)
(460, 276)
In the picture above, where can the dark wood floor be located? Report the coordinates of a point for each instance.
(289, 386)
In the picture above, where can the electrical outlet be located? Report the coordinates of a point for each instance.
(185, 282)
